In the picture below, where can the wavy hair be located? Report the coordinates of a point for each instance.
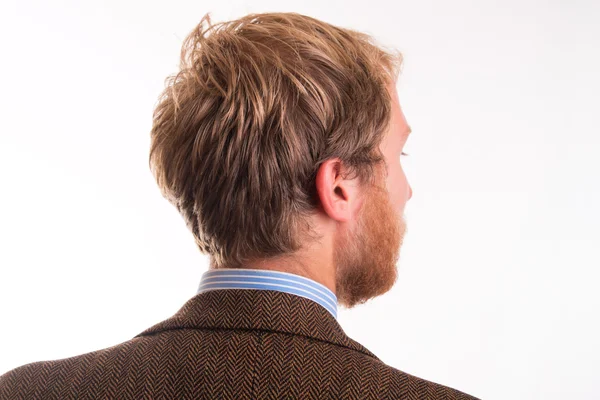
(259, 103)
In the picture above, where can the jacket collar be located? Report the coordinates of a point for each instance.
(267, 310)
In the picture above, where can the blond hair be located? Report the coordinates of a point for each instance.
(258, 105)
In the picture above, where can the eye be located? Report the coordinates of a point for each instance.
(404, 154)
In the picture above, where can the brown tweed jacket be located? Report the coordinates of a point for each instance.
(228, 344)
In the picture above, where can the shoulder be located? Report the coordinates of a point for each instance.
(57, 378)
(355, 372)
(402, 385)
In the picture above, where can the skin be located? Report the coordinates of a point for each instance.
(362, 227)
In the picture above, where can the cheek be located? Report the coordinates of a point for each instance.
(397, 186)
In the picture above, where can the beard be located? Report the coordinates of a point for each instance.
(365, 257)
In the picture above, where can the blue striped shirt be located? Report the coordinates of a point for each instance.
(238, 278)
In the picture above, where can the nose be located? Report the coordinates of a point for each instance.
(409, 192)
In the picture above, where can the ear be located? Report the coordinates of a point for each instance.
(339, 196)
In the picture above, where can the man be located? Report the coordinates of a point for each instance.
(279, 142)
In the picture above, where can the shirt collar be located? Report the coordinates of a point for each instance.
(260, 279)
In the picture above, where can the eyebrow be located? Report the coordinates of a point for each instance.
(408, 131)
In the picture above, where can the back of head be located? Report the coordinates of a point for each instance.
(258, 104)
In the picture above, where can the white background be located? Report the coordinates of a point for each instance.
(498, 288)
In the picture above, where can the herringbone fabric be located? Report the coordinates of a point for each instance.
(228, 344)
